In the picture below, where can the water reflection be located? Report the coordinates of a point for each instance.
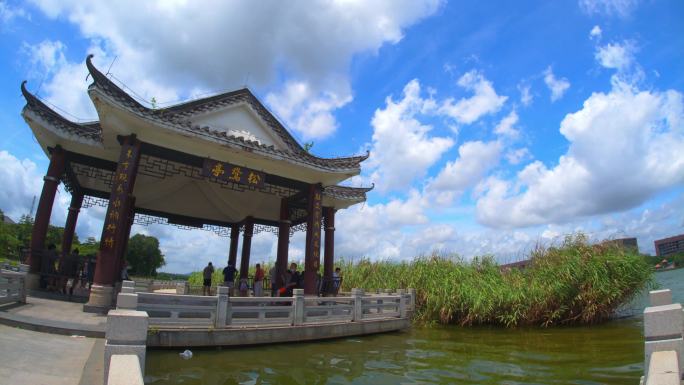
(605, 354)
(611, 353)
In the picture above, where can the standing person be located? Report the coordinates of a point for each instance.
(337, 280)
(206, 274)
(259, 281)
(229, 278)
(69, 270)
(90, 270)
(48, 272)
(293, 280)
(124, 271)
(273, 275)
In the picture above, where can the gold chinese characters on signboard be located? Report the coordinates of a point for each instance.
(232, 173)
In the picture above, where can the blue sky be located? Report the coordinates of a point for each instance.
(491, 126)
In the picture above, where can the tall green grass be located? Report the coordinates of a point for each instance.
(574, 283)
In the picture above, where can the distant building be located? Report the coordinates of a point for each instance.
(669, 246)
(516, 265)
(627, 243)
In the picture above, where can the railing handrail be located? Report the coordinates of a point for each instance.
(224, 310)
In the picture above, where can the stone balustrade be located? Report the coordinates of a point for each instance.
(222, 310)
(126, 334)
(664, 346)
(12, 287)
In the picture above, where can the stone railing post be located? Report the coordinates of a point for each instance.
(298, 303)
(142, 286)
(127, 301)
(222, 306)
(660, 297)
(128, 287)
(663, 329)
(412, 293)
(182, 288)
(21, 279)
(357, 295)
(380, 302)
(402, 303)
(126, 333)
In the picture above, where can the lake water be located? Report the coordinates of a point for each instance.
(611, 353)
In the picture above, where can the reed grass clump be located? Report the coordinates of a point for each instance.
(573, 283)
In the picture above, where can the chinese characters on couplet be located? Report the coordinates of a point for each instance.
(232, 173)
(116, 211)
(316, 225)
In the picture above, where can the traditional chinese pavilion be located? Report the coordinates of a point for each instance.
(222, 162)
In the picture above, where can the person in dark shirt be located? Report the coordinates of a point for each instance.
(90, 270)
(47, 269)
(229, 277)
(294, 278)
(206, 274)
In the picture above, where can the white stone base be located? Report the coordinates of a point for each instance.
(32, 281)
(124, 369)
(650, 347)
(137, 350)
(101, 299)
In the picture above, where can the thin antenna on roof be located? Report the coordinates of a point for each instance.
(40, 85)
(33, 203)
(112, 64)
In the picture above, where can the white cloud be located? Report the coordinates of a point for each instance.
(308, 114)
(624, 148)
(9, 13)
(526, 96)
(223, 45)
(517, 156)
(402, 149)
(619, 56)
(506, 126)
(484, 101)
(621, 8)
(475, 160)
(557, 86)
(21, 183)
(595, 33)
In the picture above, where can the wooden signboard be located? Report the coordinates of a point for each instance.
(232, 173)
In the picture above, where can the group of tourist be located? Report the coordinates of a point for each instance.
(291, 279)
(56, 273)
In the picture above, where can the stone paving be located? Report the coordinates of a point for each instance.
(54, 316)
(34, 358)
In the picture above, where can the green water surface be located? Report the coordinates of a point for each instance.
(611, 353)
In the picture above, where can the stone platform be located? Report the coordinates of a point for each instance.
(53, 316)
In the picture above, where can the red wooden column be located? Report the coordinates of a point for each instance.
(312, 254)
(246, 247)
(283, 243)
(70, 225)
(329, 250)
(115, 226)
(130, 216)
(234, 239)
(42, 220)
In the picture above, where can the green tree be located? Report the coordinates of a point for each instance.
(89, 247)
(24, 229)
(9, 243)
(143, 255)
